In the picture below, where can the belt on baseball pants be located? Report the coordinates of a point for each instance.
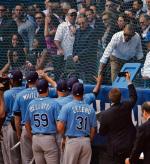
(50, 134)
(77, 136)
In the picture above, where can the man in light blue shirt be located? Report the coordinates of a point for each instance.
(123, 46)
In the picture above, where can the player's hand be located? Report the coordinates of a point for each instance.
(60, 51)
(76, 58)
(41, 73)
(63, 142)
(127, 76)
(99, 78)
(127, 161)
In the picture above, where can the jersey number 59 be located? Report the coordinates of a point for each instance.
(40, 120)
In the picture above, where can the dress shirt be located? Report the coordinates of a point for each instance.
(145, 71)
(121, 49)
(65, 35)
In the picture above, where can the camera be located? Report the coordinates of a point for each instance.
(122, 74)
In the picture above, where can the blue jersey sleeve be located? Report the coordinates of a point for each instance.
(89, 98)
(16, 106)
(52, 93)
(93, 122)
(63, 114)
(56, 109)
(27, 115)
(6, 101)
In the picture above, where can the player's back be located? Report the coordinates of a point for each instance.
(43, 113)
(9, 99)
(79, 118)
(23, 99)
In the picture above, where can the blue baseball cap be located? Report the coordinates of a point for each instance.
(42, 86)
(78, 89)
(70, 82)
(62, 85)
(147, 37)
(16, 75)
(32, 76)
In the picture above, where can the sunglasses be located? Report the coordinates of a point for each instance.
(73, 14)
(38, 17)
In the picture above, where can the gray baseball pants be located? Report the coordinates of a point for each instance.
(9, 140)
(26, 147)
(77, 151)
(45, 149)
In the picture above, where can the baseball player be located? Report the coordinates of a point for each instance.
(41, 117)
(19, 109)
(9, 135)
(89, 98)
(77, 120)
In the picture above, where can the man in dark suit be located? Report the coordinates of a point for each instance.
(116, 124)
(8, 27)
(142, 142)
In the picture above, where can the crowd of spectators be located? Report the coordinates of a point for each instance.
(71, 36)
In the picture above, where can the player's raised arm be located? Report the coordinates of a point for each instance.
(46, 77)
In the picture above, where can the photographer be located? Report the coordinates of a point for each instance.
(116, 123)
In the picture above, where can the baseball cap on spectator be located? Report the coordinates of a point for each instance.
(42, 86)
(16, 75)
(32, 76)
(147, 37)
(62, 85)
(72, 11)
(78, 89)
(70, 82)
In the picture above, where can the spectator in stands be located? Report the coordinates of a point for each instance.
(16, 42)
(116, 124)
(16, 60)
(40, 27)
(94, 22)
(51, 24)
(145, 71)
(36, 7)
(7, 28)
(94, 8)
(122, 21)
(144, 22)
(148, 7)
(30, 14)
(65, 35)
(112, 6)
(142, 142)
(85, 50)
(123, 46)
(35, 53)
(110, 29)
(137, 8)
(25, 28)
(65, 6)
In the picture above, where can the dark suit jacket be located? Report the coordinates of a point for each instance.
(142, 144)
(116, 124)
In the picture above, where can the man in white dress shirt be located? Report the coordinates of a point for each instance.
(123, 46)
(145, 71)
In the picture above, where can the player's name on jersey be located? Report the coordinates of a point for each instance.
(82, 109)
(30, 96)
(44, 106)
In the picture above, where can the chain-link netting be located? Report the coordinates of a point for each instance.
(70, 37)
